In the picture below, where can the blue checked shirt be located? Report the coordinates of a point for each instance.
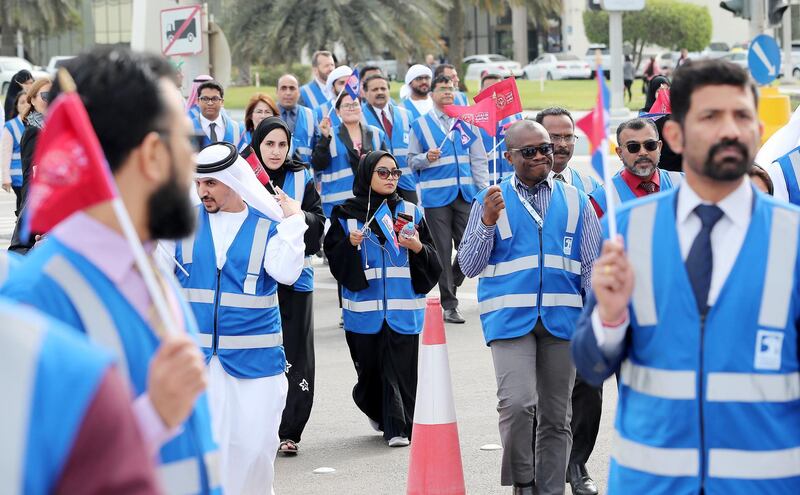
(478, 241)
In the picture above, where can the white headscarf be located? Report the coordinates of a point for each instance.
(783, 141)
(239, 176)
(337, 73)
(415, 71)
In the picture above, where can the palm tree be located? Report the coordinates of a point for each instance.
(279, 31)
(36, 17)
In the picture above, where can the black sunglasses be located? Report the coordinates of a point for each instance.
(44, 95)
(384, 173)
(635, 147)
(529, 152)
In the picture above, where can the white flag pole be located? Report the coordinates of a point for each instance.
(611, 202)
(494, 157)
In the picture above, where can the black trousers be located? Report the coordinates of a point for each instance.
(18, 194)
(297, 320)
(447, 224)
(386, 389)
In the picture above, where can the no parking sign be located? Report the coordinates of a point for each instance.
(181, 31)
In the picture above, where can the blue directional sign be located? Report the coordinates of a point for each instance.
(764, 59)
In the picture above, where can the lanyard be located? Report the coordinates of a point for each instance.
(536, 217)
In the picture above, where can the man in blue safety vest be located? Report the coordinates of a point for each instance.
(314, 93)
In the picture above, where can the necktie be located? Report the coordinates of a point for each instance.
(649, 186)
(700, 260)
(559, 177)
(387, 125)
(288, 117)
(212, 132)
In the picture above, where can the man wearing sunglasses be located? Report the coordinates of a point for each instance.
(640, 151)
(532, 239)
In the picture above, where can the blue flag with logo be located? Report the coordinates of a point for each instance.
(351, 86)
(385, 220)
(467, 135)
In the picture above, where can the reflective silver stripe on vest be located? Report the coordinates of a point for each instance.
(238, 342)
(257, 250)
(22, 358)
(754, 465)
(568, 300)
(562, 263)
(333, 149)
(615, 197)
(187, 249)
(441, 162)
(452, 181)
(655, 460)
(410, 209)
(204, 340)
(588, 187)
(794, 159)
(308, 262)
(657, 382)
(361, 306)
(330, 198)
(508, 301)
(403, 117)
(16, 156)
(675, 177)
(334, 176)
(183, 477)
(503, 225)
(202, 296)
(405, 304)
(426, 133)
(299, 185)
(640, 254)
(376, 137)
(399, 152)
(753, 387)
(779, 278)
(231, 300)
(508, 267)
(398, 272)
(572, 208)
(372, 273)
(93, 313)
(304, 150)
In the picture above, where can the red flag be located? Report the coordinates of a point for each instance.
(505, 96)
(482, 115)
(71, 172)
(662, 105)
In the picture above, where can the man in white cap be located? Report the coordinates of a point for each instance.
(336, 81)
(245, 244)
(415, 93)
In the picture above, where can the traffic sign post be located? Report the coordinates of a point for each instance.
(764, 59)
(615, 9)
(181, 31)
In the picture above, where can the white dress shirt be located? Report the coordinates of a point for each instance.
(566, 173)
(220, 129)
(386, 109)
(727, 238)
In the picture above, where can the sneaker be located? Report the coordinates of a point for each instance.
(399, 442)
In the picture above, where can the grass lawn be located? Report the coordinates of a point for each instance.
(573, 95)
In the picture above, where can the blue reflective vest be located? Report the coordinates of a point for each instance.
(337, 179)
(398, 144)
(412, 110)
(235, 133)
(50, 377)
(533, 272)
(460, 98)
(448, 176)
(585, 183)
(390, 296)
(710, 404)
(303, 134)
(790, 167)
(65, 285)
(623, 193)
(236, 307)
(311, 95)
(9, 261)
(321, 112)
(16, 128)
(294, 185)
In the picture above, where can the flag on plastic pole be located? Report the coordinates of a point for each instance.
(483, 115)
(465, 131)
(505, 96)
(383, 216)
(351, 85)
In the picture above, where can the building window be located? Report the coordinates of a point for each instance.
(112, 21)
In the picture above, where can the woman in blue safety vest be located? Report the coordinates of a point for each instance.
(10, 157)
(271, 143)
(383, 293)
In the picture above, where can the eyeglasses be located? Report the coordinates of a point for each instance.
(444, 90)
(263, 112)
(635, 147)
(349, 106)
(565, 138)
(528, 152)
(210, 99)
(44, 95)
(384, 173)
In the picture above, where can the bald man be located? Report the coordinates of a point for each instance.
(531, 228)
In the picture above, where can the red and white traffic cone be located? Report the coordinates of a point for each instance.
(435, 465)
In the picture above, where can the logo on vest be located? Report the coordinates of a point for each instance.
(567, 246)
(768, 350)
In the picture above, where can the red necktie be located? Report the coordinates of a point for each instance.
(387, 126)
(649, 186)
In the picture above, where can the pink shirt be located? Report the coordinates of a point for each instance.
(108, 250)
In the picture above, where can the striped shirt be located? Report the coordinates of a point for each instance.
(478, 241)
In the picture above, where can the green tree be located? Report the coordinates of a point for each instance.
(35, 17)
(278, 31)
(671, 24)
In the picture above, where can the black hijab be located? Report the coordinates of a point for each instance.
(13, 90)
(364, 195)
(652, 91)
(290, 164)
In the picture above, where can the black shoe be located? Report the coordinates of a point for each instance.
(524, 490)
(453, 316)
(580, 481)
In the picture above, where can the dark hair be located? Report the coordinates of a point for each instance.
(121, 93)
(370, 68)
(440, 79)
(14, 110)
(553, 112)
(340, 98)
(636, 125)
(757, 171)
(490, 75)
(695, 74)
(251, 106)
(439, 70)
(320, 53)
(374, 77)
(211, 85)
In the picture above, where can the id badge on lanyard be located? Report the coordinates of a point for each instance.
(536, 217)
